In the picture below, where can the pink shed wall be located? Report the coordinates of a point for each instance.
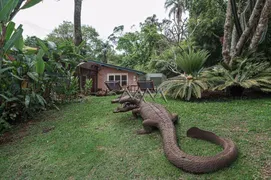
(103, 74)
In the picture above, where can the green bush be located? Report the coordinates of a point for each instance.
(247, 72)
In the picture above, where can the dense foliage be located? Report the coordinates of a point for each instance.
(32, 78)
(11, 69)
(244, 25)
(92, 44)
(244, 74)
(137, 48)
(206, 24)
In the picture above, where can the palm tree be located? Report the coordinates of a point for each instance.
(77, 22)
(176, 8)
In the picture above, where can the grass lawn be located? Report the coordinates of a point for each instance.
(88, 141)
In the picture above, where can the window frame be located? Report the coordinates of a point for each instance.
(119, 74)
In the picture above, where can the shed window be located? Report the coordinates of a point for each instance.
(123, 78)
(111, 78)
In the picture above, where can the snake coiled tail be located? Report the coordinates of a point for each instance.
(197, 164)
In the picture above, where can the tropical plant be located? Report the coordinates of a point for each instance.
(177, 8)
(178, 28)
(184, 87)
(88, 86)
(192, 61)
(191, 83)
(245, 73)
(32, 75)
(12, 64)
(72, 87)
(11, 36)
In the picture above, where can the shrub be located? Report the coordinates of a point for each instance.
(248, 72)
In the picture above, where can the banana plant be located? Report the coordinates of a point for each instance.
(9, 35)
(11, 39)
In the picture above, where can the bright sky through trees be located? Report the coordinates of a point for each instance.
(103, 15)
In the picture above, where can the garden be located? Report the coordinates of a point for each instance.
(218, 64)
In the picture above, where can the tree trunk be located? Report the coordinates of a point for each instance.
(179, 21)
(234, 40)
(236, 18)
(252, 23)
(235, 37)
(77, 22)
(227, 35)
(262, 25)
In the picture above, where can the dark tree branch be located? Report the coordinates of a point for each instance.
(236, 18)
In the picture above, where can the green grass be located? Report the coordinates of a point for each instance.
(90, 142)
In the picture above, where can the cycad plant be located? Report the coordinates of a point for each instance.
(192, 61)
(248, 72)
(190, 84)
(184, 87)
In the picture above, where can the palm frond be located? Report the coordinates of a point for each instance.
(247, 72)
(184, 88)
(191, 62)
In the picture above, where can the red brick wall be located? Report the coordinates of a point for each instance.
(103, 74)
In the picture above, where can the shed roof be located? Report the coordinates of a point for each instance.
(117, 67)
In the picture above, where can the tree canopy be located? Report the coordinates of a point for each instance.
(93, 45)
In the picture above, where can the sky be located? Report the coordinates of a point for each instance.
(103, 15)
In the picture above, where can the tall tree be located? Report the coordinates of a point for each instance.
(177, 8)
(205, 26)
(77, 22)
(138, 47)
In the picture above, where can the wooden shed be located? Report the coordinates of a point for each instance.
(100, 72)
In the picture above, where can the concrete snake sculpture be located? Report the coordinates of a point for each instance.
(155, 115)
